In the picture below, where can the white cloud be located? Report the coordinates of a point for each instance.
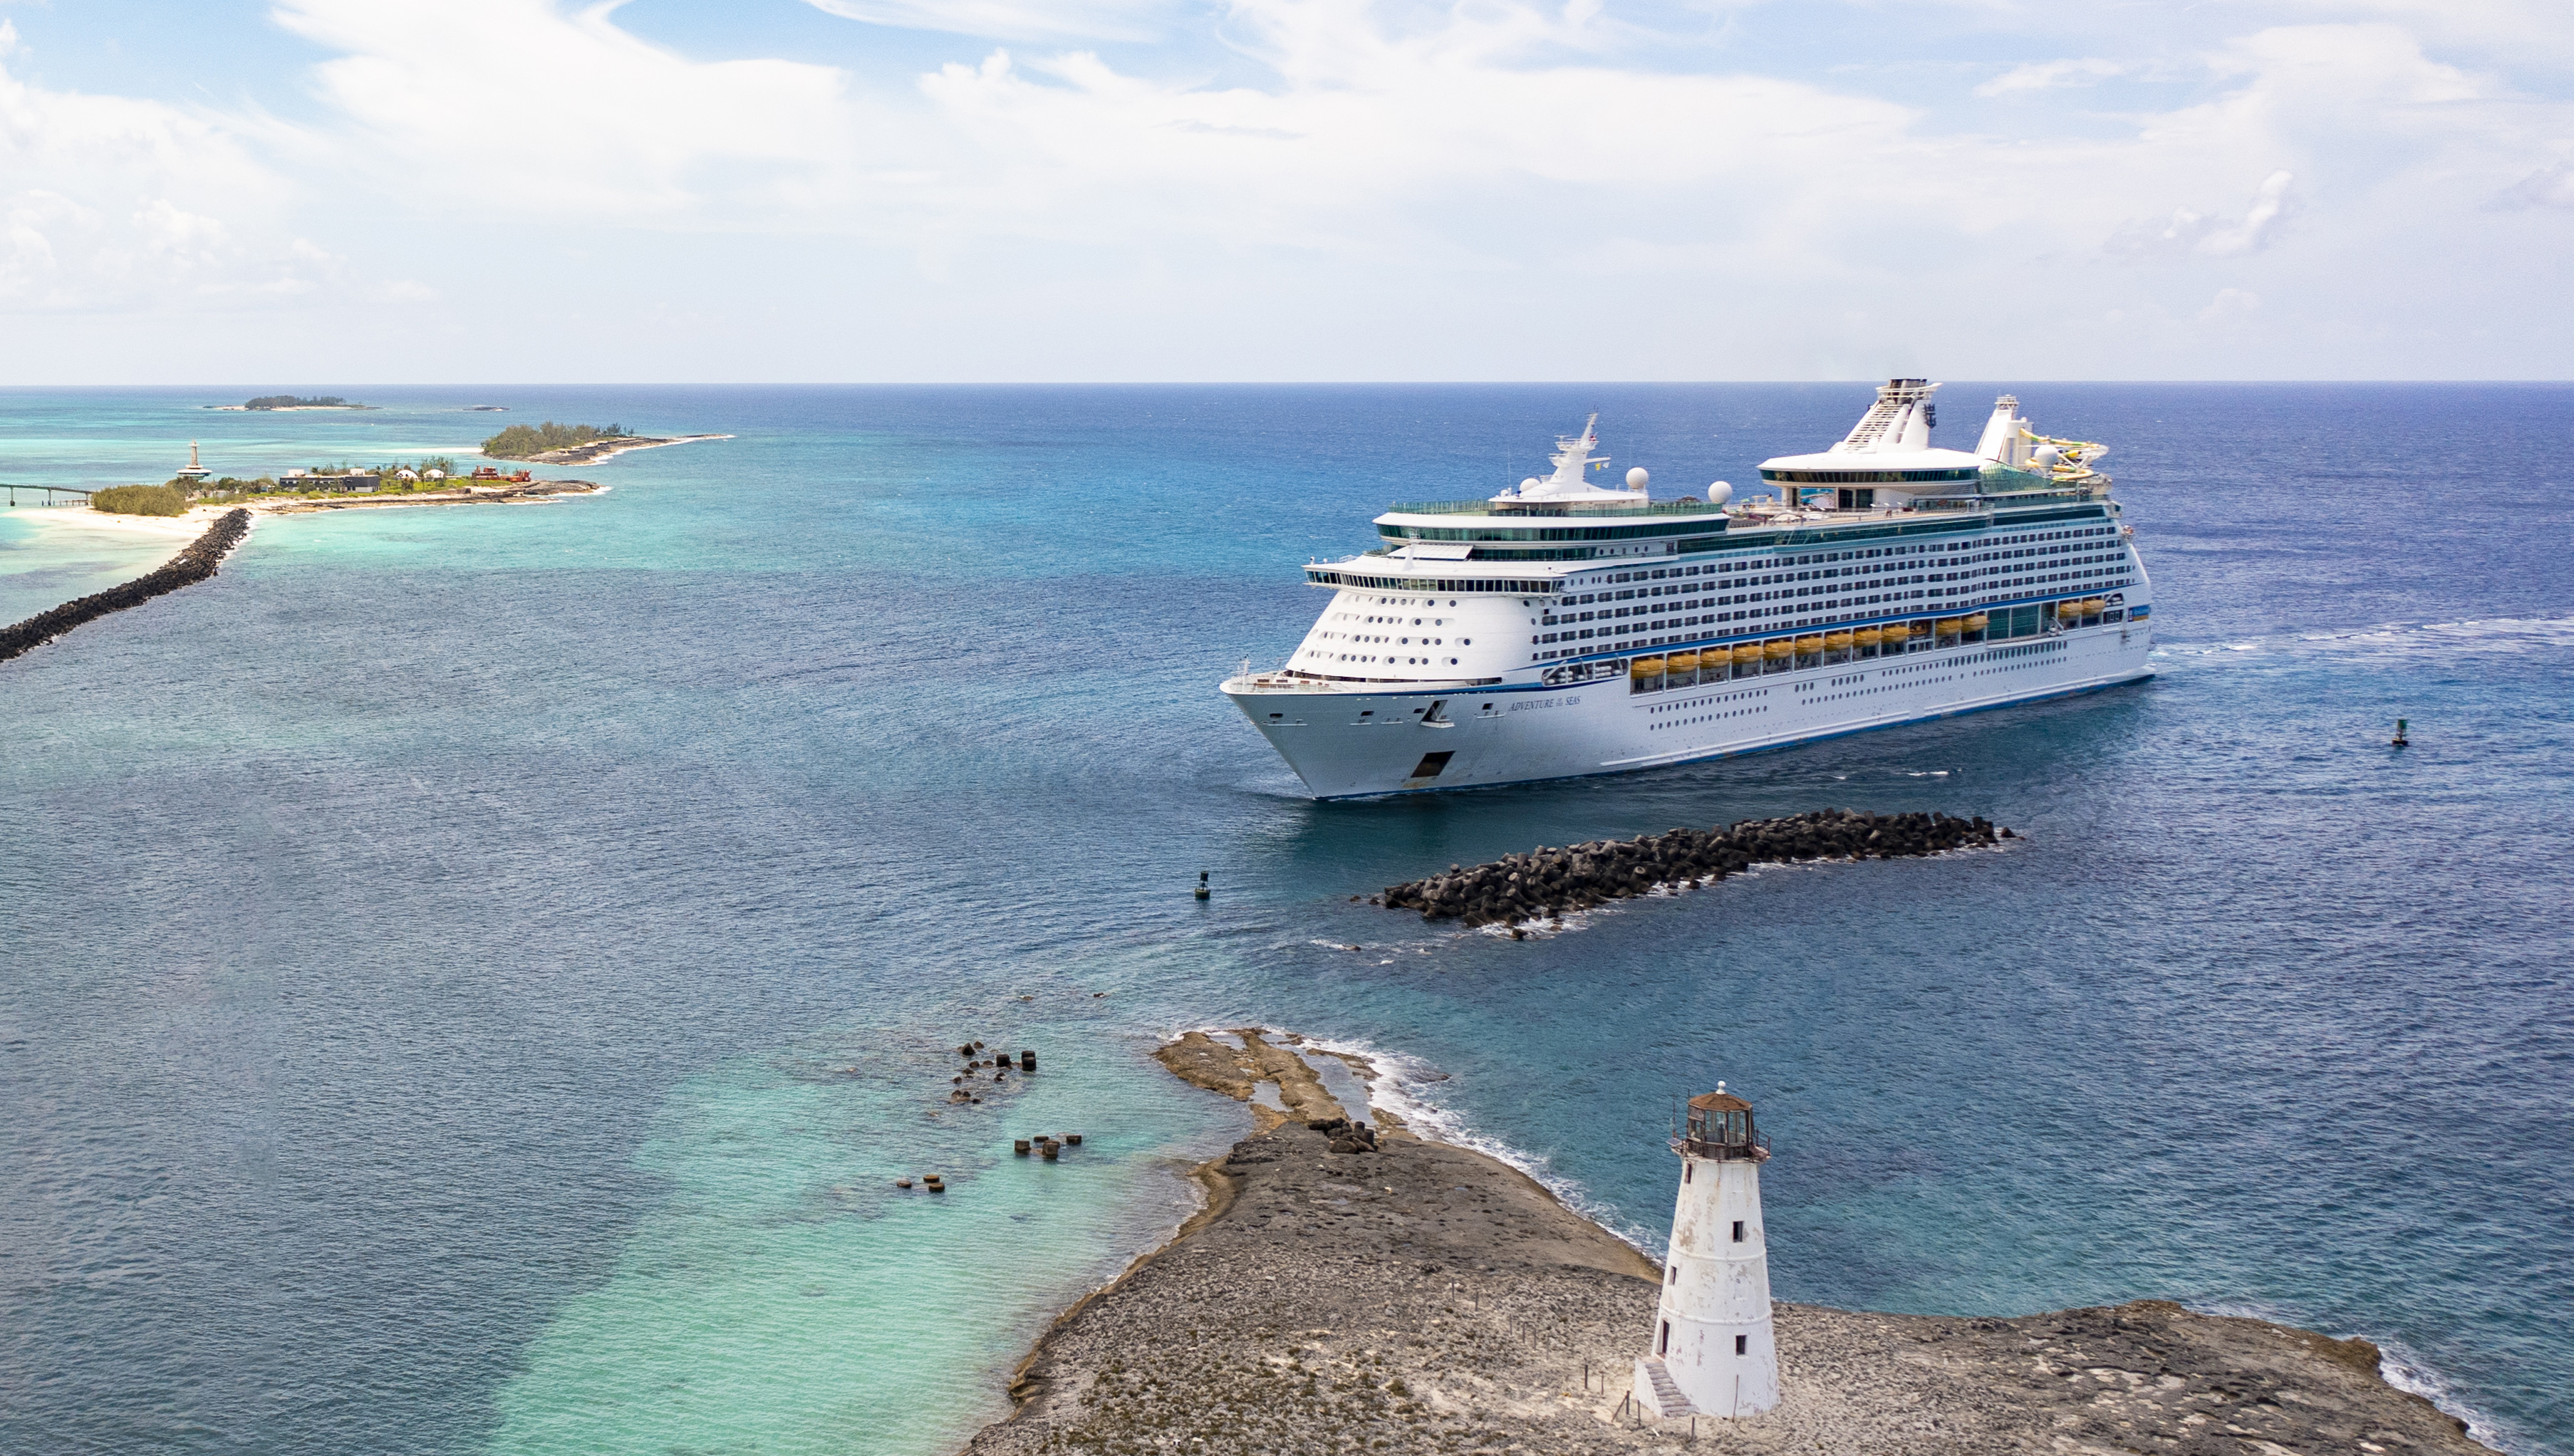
(1368, 138)
(1303, 170)
(2546, 187)
(1131, 20)
(2518, 30)
(2188, 232)
(518, 103)
(113, 201)
(2230, 305)
(2052, 76)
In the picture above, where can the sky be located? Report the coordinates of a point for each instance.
(310, 192)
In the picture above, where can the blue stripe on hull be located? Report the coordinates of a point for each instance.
(1705, 755)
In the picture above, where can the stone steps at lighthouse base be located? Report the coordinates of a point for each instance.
(1656, 1391)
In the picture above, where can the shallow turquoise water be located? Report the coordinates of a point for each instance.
(475, 974)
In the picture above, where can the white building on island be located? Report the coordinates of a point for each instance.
(1713, 1353)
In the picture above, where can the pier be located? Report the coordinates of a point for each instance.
(49, 492)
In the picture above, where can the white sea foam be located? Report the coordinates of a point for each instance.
(2474, 637)
(2405, 1371)
(2477, 636)
(2397, 1365)
(1402, 1086)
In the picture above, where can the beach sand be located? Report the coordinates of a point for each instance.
(73, 526)
(1429, 1299)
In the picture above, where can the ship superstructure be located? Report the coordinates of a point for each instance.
(1563, 627)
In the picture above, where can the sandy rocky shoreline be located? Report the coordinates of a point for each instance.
(1425, 1298)
(503, 493)
(613, 445)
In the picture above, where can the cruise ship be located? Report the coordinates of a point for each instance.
(1568, 626)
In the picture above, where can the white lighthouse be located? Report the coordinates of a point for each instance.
(1712, 1349)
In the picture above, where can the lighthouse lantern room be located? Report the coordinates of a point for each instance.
(1712, 1348)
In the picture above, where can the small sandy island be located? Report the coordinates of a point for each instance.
(1424, 1298)
(608, 447)
(179, 531)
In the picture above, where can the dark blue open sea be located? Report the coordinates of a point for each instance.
(472, 975)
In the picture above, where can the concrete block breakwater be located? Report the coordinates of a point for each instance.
(1547, 881)
(188, 568)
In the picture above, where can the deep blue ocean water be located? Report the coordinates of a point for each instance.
(472, 975)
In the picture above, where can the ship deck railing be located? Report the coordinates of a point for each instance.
(1643, 510)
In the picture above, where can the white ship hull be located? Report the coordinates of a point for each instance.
(1348, 744)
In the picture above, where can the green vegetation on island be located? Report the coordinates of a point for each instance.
(527, 441)
(437, 473)
(292, 401)
(140, 501)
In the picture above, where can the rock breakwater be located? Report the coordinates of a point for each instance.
(189, 567)
(1549, 881)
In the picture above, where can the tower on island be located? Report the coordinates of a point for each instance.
(1712, 1350)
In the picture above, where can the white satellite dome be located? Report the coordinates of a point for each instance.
(1718, 494)
(1637, 479)
(1529, 485)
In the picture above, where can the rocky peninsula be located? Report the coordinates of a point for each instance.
(593, 451)
(1549, 881)
(1395, 1294)
(552, 443)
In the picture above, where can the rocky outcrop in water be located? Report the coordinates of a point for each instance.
(188, 568)
(1549, 881)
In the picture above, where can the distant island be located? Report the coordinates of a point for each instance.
(295, 402)
(434, 481)
(527, 441)
(554, 444)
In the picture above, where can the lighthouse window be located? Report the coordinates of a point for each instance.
(1741, 1344)
(1737, 1230)
(1663, 1346)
